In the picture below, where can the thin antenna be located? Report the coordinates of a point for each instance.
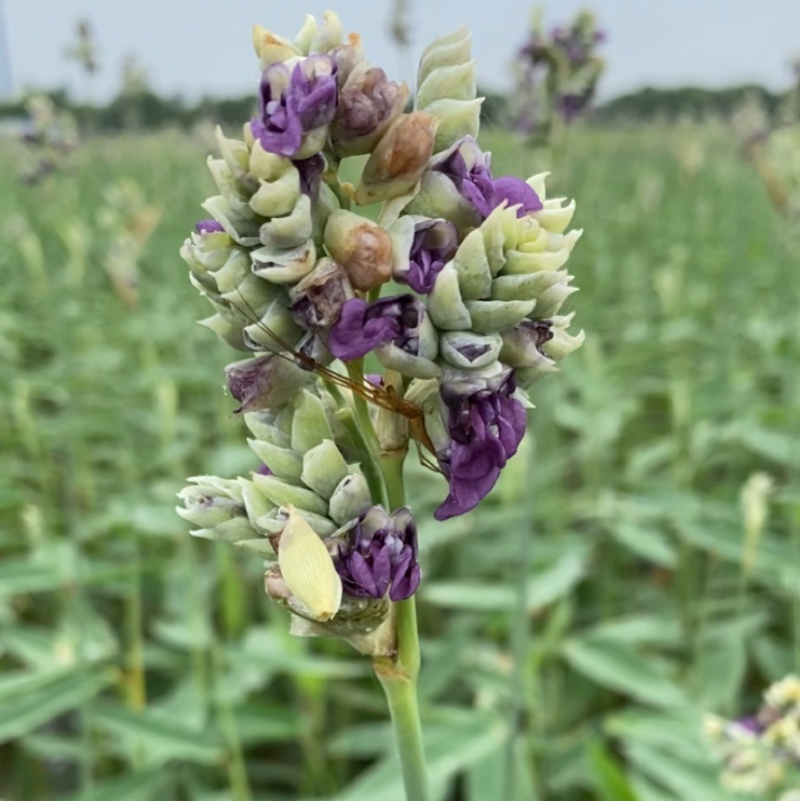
(6, 82)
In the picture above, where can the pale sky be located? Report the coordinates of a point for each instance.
(197, 47)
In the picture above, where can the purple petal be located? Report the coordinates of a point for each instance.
(517, 193)
(208, 227)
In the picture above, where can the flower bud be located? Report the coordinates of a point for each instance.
(266, 166)
(362, 247)
(454, 82)
(527, 286)
(317, 300)
(284, 266)
(236, 217)
(255, 502)
(562, 343)
(445, 51)
(445, 306)
(212, 502)
(368, 104)
(552, 299)
(470, 351)
(472, 267)
(324, 468)
(307, 568)
(278, 197)
(271, 48)
(328, 35)
(291, 230)
(276, 325)
(455, 120)
(350, 498)
(234, 153)
(264, 381)
(495, 315)
(306, 35)
(310, 424)
(284, 463)
(264, 424)
(229, 331)
(274, 521)
(347, 57)
(523, 345)
(282, 494)
(399, 159)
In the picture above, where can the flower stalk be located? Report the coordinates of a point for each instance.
(398, 674)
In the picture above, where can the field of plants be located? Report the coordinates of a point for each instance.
(635, 568)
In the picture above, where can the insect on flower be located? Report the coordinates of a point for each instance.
(378, 395)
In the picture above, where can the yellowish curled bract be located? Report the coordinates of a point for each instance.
(307, 568)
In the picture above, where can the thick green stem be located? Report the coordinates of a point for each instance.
(398, 674)
(401, 694)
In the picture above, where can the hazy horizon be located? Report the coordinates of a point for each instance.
(708, 43)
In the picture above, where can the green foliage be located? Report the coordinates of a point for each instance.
(575, 628)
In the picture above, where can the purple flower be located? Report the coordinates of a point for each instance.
(291, 105)
(264, 470)
(751, 723)
(486, 427)
(310, 170)
(468, 168)
(380, 555)
(572, 104)
(208, 227)
(362, 326)
(435, 243)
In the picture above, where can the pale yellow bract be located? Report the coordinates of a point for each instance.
(307, 568)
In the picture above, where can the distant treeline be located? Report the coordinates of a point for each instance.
(148, 110)
(649, 104)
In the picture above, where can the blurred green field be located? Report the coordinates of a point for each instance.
(575, 629)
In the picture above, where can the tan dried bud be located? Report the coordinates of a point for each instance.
(362, 247)
(399, 159)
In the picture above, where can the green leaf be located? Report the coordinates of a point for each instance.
(545, 587)
(688, 779)
(620, 668)
(37, 699)
(138, 787)
(162, 739)
(645, 541)
(608, 776)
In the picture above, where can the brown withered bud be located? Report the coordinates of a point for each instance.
(368, 104)
(399, 159)
(263, 382)
(318, 299)
(362, 247)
